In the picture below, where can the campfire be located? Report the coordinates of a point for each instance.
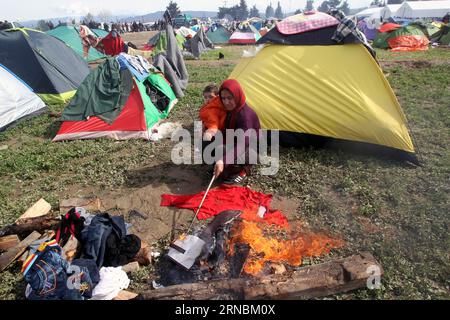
(272, 244)
(243, 245)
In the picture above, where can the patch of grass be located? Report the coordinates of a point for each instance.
(230, 52)
(431, 54)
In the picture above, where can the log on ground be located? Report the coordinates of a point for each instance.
(319, 280)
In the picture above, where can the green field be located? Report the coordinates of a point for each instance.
(396, 211)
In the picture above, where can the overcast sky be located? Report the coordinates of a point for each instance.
(20, 10)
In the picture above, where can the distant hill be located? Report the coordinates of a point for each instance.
(55, 21)
(155, 16)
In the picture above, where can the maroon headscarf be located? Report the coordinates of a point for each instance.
(235, 89)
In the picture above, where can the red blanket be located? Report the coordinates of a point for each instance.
(226, 197)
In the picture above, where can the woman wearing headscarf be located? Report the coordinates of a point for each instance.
(236, 114)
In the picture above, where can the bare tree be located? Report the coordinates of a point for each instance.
(104, 16)
(88, 18)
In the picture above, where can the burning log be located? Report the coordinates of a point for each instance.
(313, 281)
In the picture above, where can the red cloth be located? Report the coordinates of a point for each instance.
(226, 197)
(387, 27)
(112, 44)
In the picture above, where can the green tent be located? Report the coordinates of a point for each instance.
(429, 29)
(381, 39)
(46, 64)
(443, 36)
(112, 103)
(159, 42)
(100, 32)
(70, 36)
(218, 34)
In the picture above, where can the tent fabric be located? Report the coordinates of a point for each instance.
(246, 35)
(129, 125)
(158, 42)
(17, 101)
(71, 36)
(343, 97)
(375, 11)
(423, 9)
(186, 32)
(382, 38)
(199, 44)
(138, 66)
(409, 43)
(444, 35)
(112, 44)
(218, 34)
(100, 32)
(429, 29)
(388, 11)
(256, 22)
(136, 118)
(387, 27)
(369, 33)
(304, 22)
(46, 64)
(104, 91)
(263, 31)
(315, 37)
(171, 64)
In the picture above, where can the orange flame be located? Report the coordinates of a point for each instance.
(278, 247)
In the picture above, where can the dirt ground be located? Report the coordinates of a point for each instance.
(138, 38)
(147, 184)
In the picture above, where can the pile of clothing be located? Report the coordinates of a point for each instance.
(96, 274)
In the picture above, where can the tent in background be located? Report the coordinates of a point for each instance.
(171, 63)
(112, 103)
(245, 34)
(100, 32)
(374, 12)
(443, 36)
(218, 34)
(256, 22)
(187, 33)
(70, 35)
(388, 11)
(407, 38)
(158, 43)
(198, 44)
(423, 9)
(46, 64)
(17, 100)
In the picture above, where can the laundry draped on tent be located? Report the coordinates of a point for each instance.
(70, 35)
(112, 102)
(171, 64)
(199, 43)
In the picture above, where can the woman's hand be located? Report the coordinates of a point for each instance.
(218, 168)
(208, 135)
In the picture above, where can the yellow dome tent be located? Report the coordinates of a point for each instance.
(336, 91)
